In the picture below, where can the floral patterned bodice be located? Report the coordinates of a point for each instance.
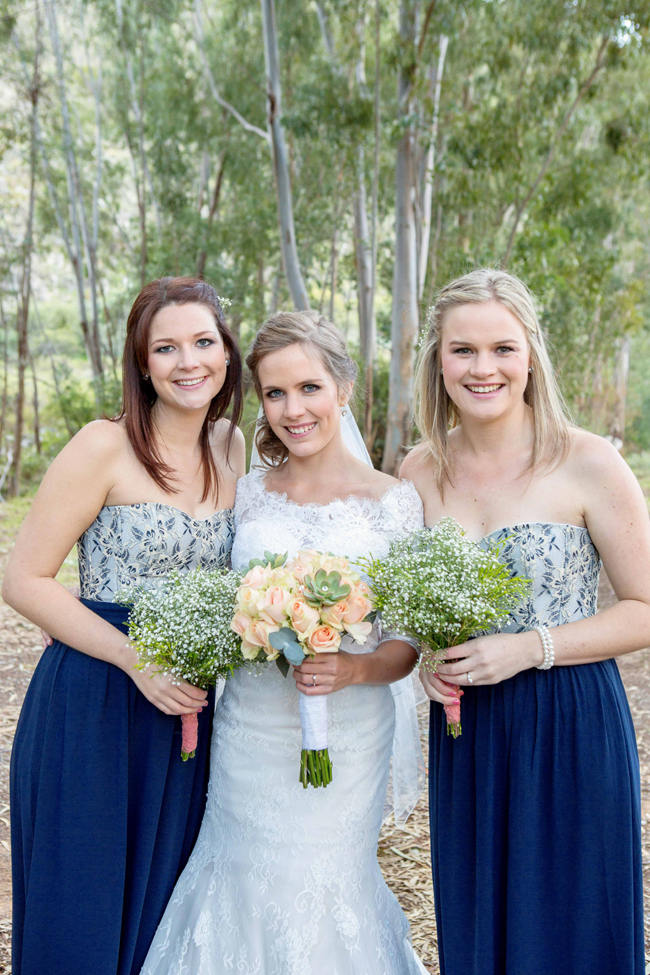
(138, 544)
(563, 565)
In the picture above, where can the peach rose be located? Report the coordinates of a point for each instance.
(303, 563)
(324, 639)
(274, 605)
(258, 577)
(304, 618)
(257, 633)
(240, 623)
(357, 607)
(359, 631)
(249, 600)
(334, 615)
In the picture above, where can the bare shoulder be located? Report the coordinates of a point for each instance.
(219, 434)
(417, 463)
(98, 442)
(591, 456)
(379, 483)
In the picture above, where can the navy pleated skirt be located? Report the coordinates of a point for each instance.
(535, 828)
(104, 815)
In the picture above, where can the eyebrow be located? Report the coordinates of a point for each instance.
(509, 341)
(303, 382)
(171, 339)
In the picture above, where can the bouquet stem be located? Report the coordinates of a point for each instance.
(315, 768)
(189, 734)
(452, 713)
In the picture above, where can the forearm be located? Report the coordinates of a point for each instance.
(52, 607)
(619, 629)
(392, 660)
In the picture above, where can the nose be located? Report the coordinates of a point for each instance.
(293, 405)
(482, 363)
(187, 358)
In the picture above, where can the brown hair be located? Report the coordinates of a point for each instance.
(138, 395)
(305, 328)
(434, 411)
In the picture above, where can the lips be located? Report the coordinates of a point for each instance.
(189, 383)
(302, 430)
(487, 388)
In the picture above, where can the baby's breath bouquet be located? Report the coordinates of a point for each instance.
(183, 628)
(441, 588)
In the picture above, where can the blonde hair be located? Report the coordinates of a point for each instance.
(287, 328)
(435, 413)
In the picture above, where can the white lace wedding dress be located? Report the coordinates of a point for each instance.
(285, 880)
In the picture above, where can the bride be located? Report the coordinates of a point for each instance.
(285, 880)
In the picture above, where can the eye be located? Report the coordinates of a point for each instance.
(273, 393)
(205, 343)
(164, 349)
(504, 349)
(311, 388)
(462, 350)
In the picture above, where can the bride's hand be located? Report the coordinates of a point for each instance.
(169, 698)
(491, 659)
(325, 673)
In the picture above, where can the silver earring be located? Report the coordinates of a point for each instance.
(343, 411)
(227, 362)
(145, 375)
(530, 370)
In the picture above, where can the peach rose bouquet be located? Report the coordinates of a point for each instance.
(285, 611)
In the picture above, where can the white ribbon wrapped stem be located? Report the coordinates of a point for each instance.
(313, 720)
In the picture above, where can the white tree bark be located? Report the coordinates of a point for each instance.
(435, 77)
(280, 159)
(404, 322)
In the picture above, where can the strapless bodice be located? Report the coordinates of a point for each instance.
(563, 565)
(138, 544)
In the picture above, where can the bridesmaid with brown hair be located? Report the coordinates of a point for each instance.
(104, 813)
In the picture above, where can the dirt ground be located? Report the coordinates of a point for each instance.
(404, 853)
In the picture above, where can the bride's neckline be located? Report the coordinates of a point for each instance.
(361, 498)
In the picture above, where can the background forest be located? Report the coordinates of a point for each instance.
(348, 155)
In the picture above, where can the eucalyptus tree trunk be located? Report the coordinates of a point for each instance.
(25, 283)
(78, 241)
(435, 73)
(139, 165)
(404, 320)
(280, 159)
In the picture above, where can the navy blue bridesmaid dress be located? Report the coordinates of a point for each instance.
(104, 813)
(535, 809)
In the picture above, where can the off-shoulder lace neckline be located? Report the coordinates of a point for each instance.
(400, 484)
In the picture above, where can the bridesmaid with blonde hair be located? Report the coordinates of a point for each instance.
(535, 809)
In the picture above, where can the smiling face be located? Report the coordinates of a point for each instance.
(484, 356)
(301, 400)
(186, 356)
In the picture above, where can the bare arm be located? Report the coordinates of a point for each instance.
(67, 502)
(391, 660)
(616, 515)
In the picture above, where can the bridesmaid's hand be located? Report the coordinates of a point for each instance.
(325, 673)
(169, 698)
(491, 659)
(436, 688)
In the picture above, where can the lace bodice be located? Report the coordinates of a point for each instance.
(563, 565)
(140, 543)
(352, 526)
(285, 880)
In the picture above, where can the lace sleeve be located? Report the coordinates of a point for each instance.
(405, 510)
(247, 497)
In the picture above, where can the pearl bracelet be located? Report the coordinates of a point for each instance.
(547, 646)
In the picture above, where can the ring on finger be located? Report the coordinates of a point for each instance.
(469, 676)
(313, 680)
